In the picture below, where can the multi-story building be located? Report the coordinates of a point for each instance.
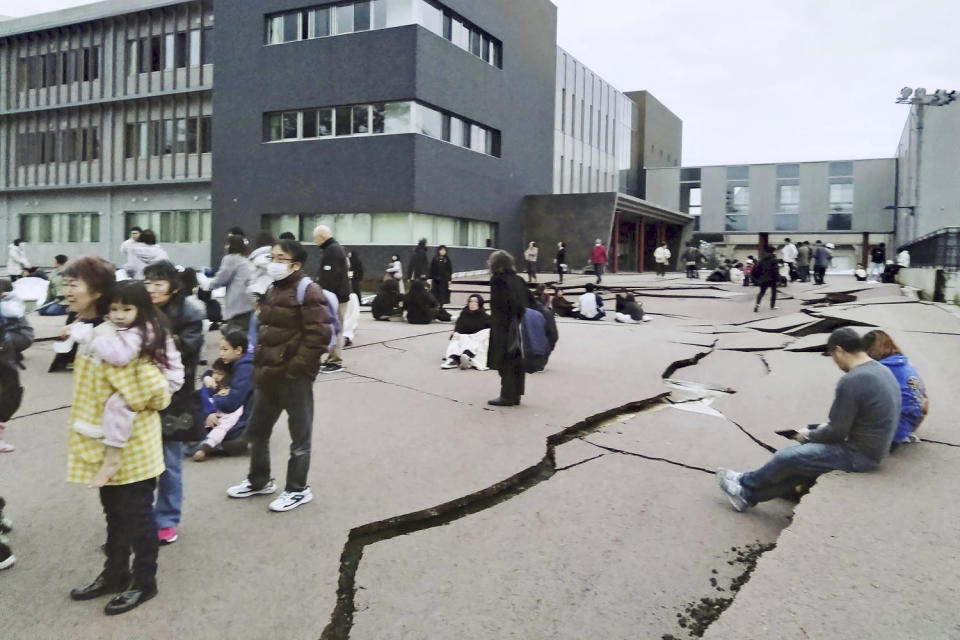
(388, 120)
(105, 122)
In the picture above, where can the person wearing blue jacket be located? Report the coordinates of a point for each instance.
(913, 393)
(233, 351)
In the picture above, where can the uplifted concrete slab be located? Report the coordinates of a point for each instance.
(903, 317)
(562, 560)
(867, 556)
(726, 370)
(755, 341)
(781, 323)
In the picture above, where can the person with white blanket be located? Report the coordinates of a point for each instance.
(470, 339)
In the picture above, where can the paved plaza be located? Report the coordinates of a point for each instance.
(590, 511)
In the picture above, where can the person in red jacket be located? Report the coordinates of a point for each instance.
(598, 256)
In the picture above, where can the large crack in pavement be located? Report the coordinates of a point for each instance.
(341, 619)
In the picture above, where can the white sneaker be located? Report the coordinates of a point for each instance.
(449, 364)
(291, 500)
(245, 489)
(729, 482)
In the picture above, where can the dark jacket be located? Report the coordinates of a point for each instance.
(630, 307)
(766, 271)
(419, 264)
(421, 307)
(333, 270)
(185, 321)
(387, 300)
(472, 321)
(441, 268)
(561, 256)
(291, 337)
(240, 395)
(509, 296)
(356, 266)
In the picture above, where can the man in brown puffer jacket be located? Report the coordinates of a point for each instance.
(291, 338)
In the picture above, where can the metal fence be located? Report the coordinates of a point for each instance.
(939, 249)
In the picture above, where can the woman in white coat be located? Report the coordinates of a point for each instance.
(17, 261)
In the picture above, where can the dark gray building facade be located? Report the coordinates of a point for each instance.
(443, 141)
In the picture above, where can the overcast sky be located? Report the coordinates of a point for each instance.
(758, 80)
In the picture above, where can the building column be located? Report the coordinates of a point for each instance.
(616, 241)
(638, 241)
(643, 245)
(865, 252)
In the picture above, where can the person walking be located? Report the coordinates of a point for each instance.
(509, 297)
(822, 257)
(661, 256)
(185, 322)
(293, 334)
(561, 260)
(598, 257)
(765, 274)
(394, 271)
(530, 256)
(16, 335)
(17, 263)
(355, 271)
(441, 273)
(419, 265)
(856, 437)
(234, 273)
(691, 256)
(878, 260)
(333, 277)
(803, 261)
(127, 496)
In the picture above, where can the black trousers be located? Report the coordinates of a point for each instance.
(560, 272)
(511, 378)
(661, 269)
(804, 271)
(692, 271)
(598, 267)
(442, 291)
(819, 273)
(531, 270)
(295, 396)
(131, 527)
(773, 293)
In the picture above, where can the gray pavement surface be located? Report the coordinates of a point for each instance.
(579, 514)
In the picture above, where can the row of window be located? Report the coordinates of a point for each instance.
(170, 135)
(590, 181)
(190, 225)
(377, 119)
(60, 227)
(364, 15)
(387, 228)
(170, 51)
(63, 67)
(67, 145)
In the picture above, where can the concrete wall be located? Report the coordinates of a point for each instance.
(111, 203)
(395, 173)
(577, 219)
(932, 284)
(663, 187)
(931, 158)
(660, 130)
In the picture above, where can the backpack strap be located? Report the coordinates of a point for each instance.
(302, 289)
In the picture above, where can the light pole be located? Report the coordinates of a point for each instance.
(920, 98)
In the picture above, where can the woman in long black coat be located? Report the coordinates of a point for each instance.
(509, 297)
(441, 272)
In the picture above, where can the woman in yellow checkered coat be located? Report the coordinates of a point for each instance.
(130, 473)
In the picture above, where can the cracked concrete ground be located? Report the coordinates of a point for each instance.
(607, 540)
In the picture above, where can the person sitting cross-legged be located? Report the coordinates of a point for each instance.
(863, 420)
(590, 305)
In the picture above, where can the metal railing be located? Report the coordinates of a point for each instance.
(940, 249)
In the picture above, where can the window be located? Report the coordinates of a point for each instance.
(324, 122)
(180, 144)
(344, 19)
(429, 122)
(321, 23)
(378, 228)
(191, 225)
(206, 134)
(840, 216)
(342, 120)
(195, 48)
(738, 198)
(169, 51)
(206, 48)
(432, 17)
(310, 123)
(60, 227)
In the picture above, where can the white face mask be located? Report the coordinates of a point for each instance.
(278, 270)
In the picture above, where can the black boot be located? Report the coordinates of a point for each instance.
(501, 402)
(101, 586)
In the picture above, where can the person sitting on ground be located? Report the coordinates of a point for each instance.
(862, 423)
(55, 304)
(721, 273)
(560, 305)
(217, 385)
(387, 301)
(736, 273)
(748, 266)
(590, 305)
(539, 336)
(234, 352)
(420, 305)
(470, 339)
(629, 310)
(860, 273)
(914, 402)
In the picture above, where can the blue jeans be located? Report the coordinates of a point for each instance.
(170, 486)
(793, 465)
(53, 309)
